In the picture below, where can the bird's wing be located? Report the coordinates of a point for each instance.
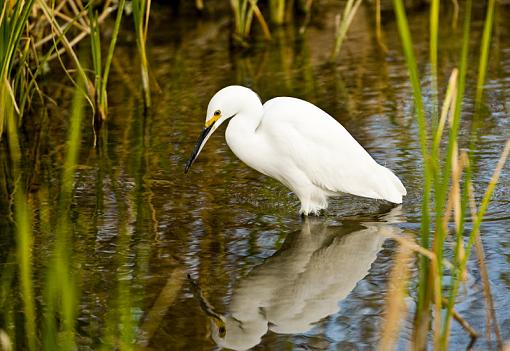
(325, 151)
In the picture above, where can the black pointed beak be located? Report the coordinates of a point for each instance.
(197, 147)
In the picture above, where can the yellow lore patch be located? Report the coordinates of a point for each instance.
(213, 119)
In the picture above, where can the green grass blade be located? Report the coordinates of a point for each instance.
(424, 292)
(434, 29)
(484, 52)
(103, 106)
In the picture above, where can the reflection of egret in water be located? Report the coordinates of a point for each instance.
(300, 284)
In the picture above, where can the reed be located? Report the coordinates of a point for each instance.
(14, 18)
(277, 10)
(243, 12)
(52, 323)
(424, 298)
(343, 22)
(434, 30)
(141, 13)
(484, 52)
(102, 74)
(444, 173)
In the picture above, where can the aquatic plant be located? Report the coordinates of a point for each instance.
(452, 193)
(141, 14)
(102, 74)
(33, 33)
(14, 18)
(343, 22)
(277, 10)
(243, 12)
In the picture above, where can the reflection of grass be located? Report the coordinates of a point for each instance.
(53, 325)
(52, 322)
(24, 237)
(61, 283)
(452, 195)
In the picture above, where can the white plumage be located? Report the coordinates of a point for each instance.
(300, 145)
(302, 283)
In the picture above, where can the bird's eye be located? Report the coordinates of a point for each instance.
(222, 331)
(217, 113)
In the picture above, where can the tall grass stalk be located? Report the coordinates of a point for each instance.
(451, 150)
(342, 26)
(102, 74)
(446, 177)
(491, 312)
(424, 293)
(277, 10)
(141, 13)
(484, 52)
(243, 11)
(14, 18)
(378, 27)
(434, 29)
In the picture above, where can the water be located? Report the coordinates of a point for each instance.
(318, 284)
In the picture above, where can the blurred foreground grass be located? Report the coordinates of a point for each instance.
(34, 33)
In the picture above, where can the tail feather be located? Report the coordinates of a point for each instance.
(392, 188)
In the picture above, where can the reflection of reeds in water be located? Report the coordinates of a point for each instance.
(13, 18)
(52, 324)
(61, 296)
(448, 175)
(452, 185)
(24, 238)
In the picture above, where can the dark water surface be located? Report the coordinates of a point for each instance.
(281, 283)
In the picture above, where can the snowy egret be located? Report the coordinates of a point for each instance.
(298, 144)
(301, 284)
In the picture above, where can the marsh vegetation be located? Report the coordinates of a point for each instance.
(99, 228)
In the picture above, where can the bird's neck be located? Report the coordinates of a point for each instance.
(250, 115)
(244, 124)
(242, 138)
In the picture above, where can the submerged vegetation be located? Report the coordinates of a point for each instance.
(80, 38)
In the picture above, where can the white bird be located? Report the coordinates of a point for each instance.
(298, 144)
(302, 283)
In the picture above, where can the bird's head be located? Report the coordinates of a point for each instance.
(225, 104)
(228, 331)
(235, 335)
